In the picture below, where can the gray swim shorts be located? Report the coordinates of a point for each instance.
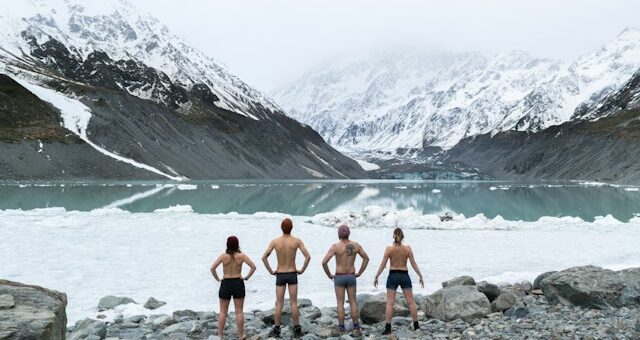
(344, 280)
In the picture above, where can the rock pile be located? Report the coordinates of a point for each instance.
(577, 303)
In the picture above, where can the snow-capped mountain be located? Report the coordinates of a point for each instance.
(411, 100)
(600, 143)
(117, 28)
(96, 90)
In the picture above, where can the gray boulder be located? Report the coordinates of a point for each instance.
(135, 319)
(111, 302)
(163, 320)
(7, 301)
(175, 328)
(517, 312)
(539, 278)
(89, 329)
(31, 312)
(457, 302)
(152, 303)
(372, 309)
(593, 287)
(503, 302)
(459, 281)
(526, 286)
(523, 287)
(302, 303)
(361, 298)
(489, 289)
(185, 315)
(207, 316)
(310, 313)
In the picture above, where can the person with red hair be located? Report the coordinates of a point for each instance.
(232, 283)
(286, 247)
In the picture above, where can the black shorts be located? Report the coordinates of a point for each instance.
(398, 278)
(231, 288)
(286, 278)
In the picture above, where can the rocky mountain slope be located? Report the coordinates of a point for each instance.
(99, 91)
(600, 144)
(407, 100)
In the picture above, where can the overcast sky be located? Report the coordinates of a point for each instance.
(270, 43)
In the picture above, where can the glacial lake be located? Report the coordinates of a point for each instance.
(509, 200)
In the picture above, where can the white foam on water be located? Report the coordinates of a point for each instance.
(435, 191)
(187, 187)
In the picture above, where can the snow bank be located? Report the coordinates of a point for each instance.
(379, 217)
(167, 255)
(175, 209)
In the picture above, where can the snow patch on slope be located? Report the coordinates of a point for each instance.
(366, 166)
(76, 116)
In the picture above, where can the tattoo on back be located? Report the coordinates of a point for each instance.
(351, 250)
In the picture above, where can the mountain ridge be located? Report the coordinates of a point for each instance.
(400, 101)
(171, 111)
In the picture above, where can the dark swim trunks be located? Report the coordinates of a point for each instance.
(344, 280)
(283, 279)
(398, 278)
(231, 288)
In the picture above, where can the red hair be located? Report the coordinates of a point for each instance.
(286, 225)
(233, 245)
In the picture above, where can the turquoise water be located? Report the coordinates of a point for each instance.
(511, 200)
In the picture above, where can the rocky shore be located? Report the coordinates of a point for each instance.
(577, 303)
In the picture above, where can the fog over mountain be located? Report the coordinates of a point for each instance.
(270, 43)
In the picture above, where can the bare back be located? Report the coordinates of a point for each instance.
(345, 253)
(286, 247)
(398, 256)
(232, 265)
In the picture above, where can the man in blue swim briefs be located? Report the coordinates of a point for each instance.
(345, 252)
(286, 247)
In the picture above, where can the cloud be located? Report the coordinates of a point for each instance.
(269, 43)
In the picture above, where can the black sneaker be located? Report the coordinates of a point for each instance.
(297, 331)
(275, 332)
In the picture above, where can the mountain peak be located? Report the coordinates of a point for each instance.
(119, 29)
(629, 31)
(425, 101)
